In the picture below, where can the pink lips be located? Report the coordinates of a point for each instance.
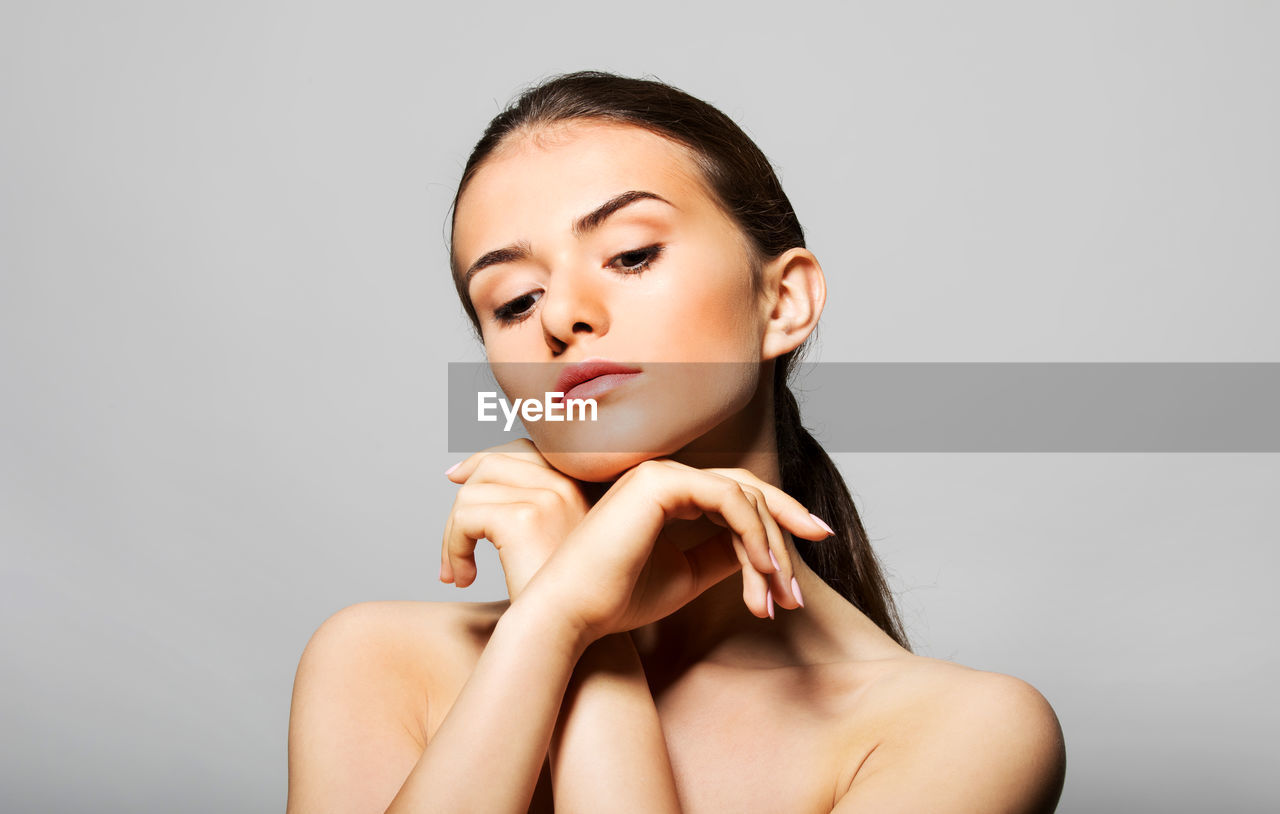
(592, 376)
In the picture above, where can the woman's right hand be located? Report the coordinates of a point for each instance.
(514, 498)
(619, 570)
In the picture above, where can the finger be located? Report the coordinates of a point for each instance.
(779, 581)
(712, 560)
(475, 509)
(518, 471)
(521, 448)
(468, 526)
(776, 550)
(458, 550)
(782, 584)
(681, 486)
(755, 586)
(758, 543)
(788, 511)
(447, 572)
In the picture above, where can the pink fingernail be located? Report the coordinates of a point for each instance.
(450, 469)
(822, 523)
(768, 599)
(795, 589)
(775, 560)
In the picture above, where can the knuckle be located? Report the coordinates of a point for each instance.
(525, 449)
(461, 513)
(646, 470)
(548, 499)
(525, 513)
(482, 470)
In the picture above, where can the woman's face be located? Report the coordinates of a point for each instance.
(665, 277)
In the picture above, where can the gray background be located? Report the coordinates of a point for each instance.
(225, 317)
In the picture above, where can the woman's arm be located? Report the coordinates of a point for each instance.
(607, 751)
(613, 572)
(488, 752)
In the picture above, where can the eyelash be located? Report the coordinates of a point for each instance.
(505, 315)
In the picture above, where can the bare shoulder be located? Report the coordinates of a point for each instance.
(399, 637)
(951, 738)
(361, 696)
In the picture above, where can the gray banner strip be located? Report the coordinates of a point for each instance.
(983, 406)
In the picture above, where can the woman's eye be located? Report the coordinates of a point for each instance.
(517, 310)
(637, 260)
(632, 263)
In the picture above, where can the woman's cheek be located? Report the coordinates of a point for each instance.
(692, 322)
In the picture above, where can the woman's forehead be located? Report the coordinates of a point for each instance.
(571, 169)
(601, 144)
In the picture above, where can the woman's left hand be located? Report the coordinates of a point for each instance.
(620, 568)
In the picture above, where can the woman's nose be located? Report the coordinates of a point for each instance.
(572, 305)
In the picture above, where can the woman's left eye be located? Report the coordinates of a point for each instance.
(637, 260)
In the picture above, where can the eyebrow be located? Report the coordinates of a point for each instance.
(583, 225)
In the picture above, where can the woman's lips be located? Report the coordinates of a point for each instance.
(574, 374)
(599, 385)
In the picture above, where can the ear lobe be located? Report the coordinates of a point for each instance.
(800, 290)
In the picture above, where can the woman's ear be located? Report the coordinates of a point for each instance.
(795, 293)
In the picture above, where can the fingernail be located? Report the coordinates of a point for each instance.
(795, 589)
(442, 572)
(822, 523)
(773, 557)
(458, 464)
(768, 599)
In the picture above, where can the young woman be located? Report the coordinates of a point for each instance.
(600, 221)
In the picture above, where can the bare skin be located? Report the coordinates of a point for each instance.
(740, 739)
(709, 704)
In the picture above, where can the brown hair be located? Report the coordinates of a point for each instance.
(747, 187)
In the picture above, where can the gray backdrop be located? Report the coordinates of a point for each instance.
(225, 318)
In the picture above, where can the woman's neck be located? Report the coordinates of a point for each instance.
(717, 627)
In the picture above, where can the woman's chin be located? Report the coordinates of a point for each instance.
(596, 467)
(600, 452)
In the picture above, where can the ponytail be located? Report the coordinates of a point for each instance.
(845, 561)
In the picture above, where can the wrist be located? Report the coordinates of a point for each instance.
(539, 616)
(608, 659)
(615, 651)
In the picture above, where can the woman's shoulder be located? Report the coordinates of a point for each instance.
(411, 645)
(409, 631)
(366, 684)
(996, 730)
(404, 617)
(914, 679)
